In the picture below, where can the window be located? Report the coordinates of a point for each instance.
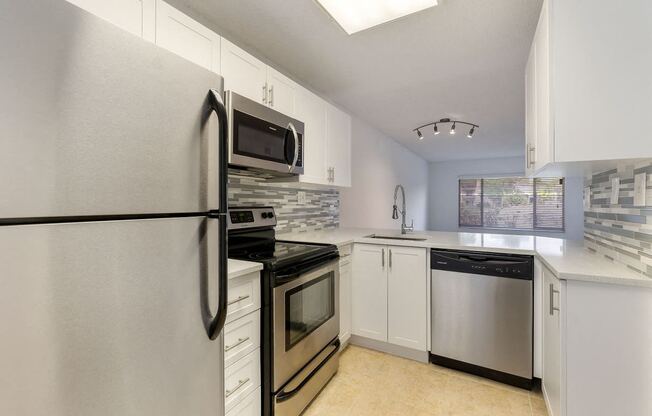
(512, 203)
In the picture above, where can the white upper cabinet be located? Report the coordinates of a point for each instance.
(243, 73)
(590, 84)
(187, 38)
(135, 16)
(311, 110)
(281, 92)
(530, 111)
(338, 139)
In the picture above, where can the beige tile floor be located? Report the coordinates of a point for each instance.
(373, 383)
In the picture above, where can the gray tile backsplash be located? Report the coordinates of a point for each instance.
(621, 232)
(320, 211)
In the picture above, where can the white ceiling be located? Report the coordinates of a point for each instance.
(462, 59)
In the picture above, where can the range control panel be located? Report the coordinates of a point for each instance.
(251, 217)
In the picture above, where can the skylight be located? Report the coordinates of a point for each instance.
(357, 15)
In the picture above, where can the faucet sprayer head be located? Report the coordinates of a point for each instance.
(395, 212)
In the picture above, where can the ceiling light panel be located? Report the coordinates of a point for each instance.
(357, 15)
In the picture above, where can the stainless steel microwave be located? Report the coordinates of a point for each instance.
(262, 138)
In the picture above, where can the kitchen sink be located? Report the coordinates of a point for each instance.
(407, 237)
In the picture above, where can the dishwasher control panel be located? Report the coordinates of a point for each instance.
(492, 264)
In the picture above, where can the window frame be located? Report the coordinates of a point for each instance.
(534, 205)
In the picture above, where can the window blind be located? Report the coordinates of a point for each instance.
(512, 203)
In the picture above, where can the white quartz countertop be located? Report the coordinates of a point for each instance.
(568, 260)
(239, 268)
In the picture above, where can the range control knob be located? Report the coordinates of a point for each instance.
(270, 215)
(264, 215)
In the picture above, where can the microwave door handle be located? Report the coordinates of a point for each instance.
(296, 147)
(215, 324)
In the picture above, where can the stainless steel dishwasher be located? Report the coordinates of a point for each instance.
(482, 314)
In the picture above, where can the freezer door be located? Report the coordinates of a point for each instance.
(105, 319)
(96, 121)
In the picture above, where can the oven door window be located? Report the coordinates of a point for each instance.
(307, 307)
(257, 138)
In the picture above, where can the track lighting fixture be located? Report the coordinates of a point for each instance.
(435, 128)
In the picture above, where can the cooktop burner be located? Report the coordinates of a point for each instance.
(276, 251)
(252, 237)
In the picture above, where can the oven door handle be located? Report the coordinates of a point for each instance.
(287, 395)
(282, 278)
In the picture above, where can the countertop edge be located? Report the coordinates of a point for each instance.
(242, 268)
(560, 274)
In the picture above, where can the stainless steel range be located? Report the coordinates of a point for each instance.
(300, 313)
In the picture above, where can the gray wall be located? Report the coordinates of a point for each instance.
(443, 193)
(378, 164)
(621, 232)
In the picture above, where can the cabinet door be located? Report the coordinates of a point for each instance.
(135, 16)
(182, 35)
(345, 298)
(530, 111)
(369, 292)
(282, 93)
(312, 111)
(243, 73)
(552, 343)
(407, 297)
(338, 145)
(543, 138)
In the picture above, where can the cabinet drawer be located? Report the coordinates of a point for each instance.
(244, 296)
(249, 406)
(241, 379)
(241, 336)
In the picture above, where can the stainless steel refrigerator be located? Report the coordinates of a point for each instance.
(112, 221)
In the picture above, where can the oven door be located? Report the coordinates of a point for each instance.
(262, 138)
(306, 319)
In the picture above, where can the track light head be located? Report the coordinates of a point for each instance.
(436, 130)
(419, 134)
(453, 128)
(470, 134)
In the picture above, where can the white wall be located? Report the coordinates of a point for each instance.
(443, 193)
(378, 164)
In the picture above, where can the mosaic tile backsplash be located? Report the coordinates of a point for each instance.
(622, 232)
(319, 211)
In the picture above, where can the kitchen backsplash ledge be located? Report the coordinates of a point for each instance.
(620, 232)
(320, 211)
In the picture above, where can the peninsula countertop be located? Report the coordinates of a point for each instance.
(567, 259)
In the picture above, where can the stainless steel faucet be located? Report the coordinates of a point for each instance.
(404, 227)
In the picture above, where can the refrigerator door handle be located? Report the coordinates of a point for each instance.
(214, 324)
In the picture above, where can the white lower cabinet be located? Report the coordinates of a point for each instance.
(242, 369)
(389, 294)
(552, 352)
(407, 300)
(345, 297)
(241, 336)
(249, 406)
(241, 378)
(369, 292)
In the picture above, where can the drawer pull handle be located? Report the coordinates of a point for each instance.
(240, 342)
(240, 384)
(238, 299)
